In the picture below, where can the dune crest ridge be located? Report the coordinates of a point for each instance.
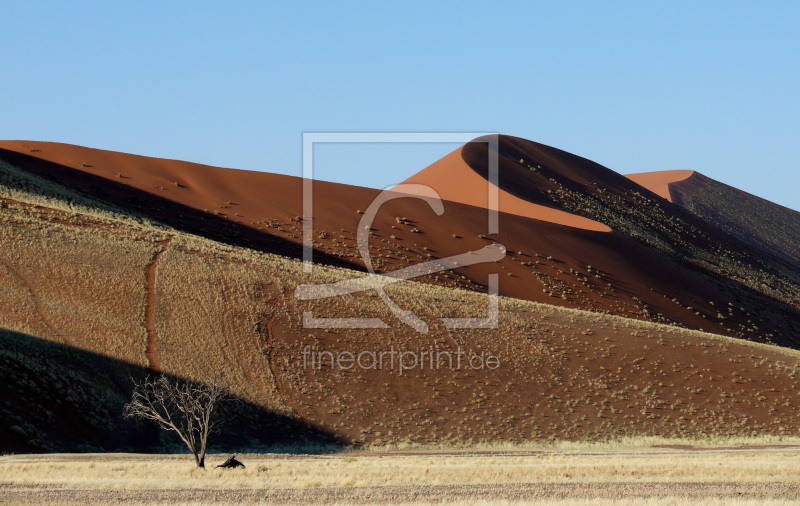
(659, 182)
(454, 180)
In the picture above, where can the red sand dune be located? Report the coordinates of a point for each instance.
(199, 186)
(559, 369)
(582, 265)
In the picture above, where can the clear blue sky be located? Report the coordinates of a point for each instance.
(636, 86)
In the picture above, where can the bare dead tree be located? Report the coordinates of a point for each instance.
(188, 409)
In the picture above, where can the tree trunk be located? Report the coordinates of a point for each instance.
(201, 462)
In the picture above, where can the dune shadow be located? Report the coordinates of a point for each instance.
(55, 398)
(514, 177)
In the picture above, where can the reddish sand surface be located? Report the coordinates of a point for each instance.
(575, 266)
(660, 182)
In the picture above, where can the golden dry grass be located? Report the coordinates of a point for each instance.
(631, 473)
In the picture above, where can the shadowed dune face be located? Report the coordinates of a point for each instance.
(61, 398)
(544, 176)
(769, 227)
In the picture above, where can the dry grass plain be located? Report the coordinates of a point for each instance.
(636, 471)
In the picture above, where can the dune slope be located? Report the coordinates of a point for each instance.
(769, 227)
(77, 292)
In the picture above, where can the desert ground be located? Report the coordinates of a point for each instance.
(678, 322)
(634, 471)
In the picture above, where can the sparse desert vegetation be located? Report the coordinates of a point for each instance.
(702, 270)
(756, 221)
(564, 374)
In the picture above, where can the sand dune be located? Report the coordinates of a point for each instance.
(584, 236)
(69, 346)
(109, 279)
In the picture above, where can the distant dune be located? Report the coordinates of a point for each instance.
(758, 222)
